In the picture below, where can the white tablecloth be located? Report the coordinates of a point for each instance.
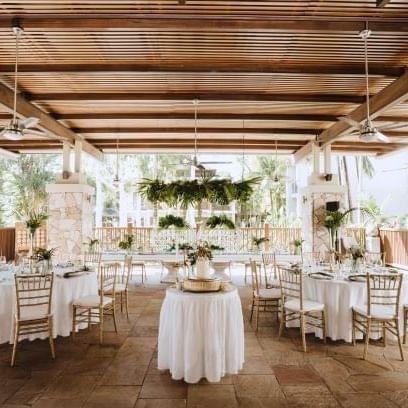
(64, 292)
(339, 296)
(201, 335)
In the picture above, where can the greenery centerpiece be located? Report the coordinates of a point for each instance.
(258, 242)
(33, 220)
(357, 255)
(297, 243)
(45, 256)
(219, 221)
(127, 243)
(91, 244)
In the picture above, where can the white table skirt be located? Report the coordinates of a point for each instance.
(201, 335)
(64, 292)
(339, 296)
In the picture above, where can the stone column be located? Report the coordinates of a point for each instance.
(70, 222)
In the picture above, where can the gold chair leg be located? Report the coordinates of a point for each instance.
(101, 325)
(399, 340)
(89, 320)
(114, 318)
(367, 339)
(282, 322)
(127, 303)
(384, 333)
(353, 329)
(50, 338)
(121, 302)
(14, 354)
(324, 326)
(257, 315)
(405, 325)
(302, 331)
(252, 309)
(73, 322)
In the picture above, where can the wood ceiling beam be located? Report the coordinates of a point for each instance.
(207, 68)
(211, 23)
(388, 97)
(202, 96)
(47, 123)
(208, 116)
(222, 130)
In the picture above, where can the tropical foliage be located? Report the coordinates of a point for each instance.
(219, 221)
(259, 241)
(202, 250)
(33, 220)
(172, 221)
(44, 254)
(127, 242)
(91, 243)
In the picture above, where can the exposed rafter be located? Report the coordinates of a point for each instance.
(47, 123)
(382, 3)
(292, 23)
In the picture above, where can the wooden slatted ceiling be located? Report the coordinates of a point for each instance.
(300, 62)
(209, 7)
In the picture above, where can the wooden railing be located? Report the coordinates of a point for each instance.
(394, 243)
(148, 239)
(7, 243)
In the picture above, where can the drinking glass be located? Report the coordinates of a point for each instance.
(3, 259)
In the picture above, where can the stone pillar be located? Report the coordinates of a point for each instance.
(70, 222)
(314, 198)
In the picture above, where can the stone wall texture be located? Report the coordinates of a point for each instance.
(70, 223)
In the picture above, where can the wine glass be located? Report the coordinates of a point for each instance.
(3, 259)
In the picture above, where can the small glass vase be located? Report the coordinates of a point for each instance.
(356, 265)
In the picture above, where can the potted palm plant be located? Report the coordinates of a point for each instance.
(127, 243)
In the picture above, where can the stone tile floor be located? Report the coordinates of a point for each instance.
(123, 373)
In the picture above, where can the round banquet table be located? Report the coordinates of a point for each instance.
(339, 296)
(201, 335)
(65, 290)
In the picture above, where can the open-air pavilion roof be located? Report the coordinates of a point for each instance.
(102, 70)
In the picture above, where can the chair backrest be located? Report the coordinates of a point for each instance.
(375, 258)
(127, 270)
(33, 291)
(291, 283)
(255, 277)
(269, 262)
(384, 289)
(92, 258)
(107, 280)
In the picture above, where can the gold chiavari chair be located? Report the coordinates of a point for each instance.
(122, 285)
(270, 270)
(267, 299)
(295, 307)
(93, 259)
(381, 310)
(94, 307)
(33, 314)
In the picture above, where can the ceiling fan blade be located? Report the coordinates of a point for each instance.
(29, 122)
(382, 138)
(351, 122)
(33, 132)
(392, 126)
(355, 133)
(3, 132)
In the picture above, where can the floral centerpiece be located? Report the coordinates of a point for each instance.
(127, 242)
(201, 257)
(257, 242)
(33, 220)
(45, 256)
(357, 255)
(297, 243)
(91, 244)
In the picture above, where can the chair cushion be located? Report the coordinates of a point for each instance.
(274, 283)
(269, 293)
(91, 301)
(308, 305)
(33, 313)
(119, 287)
(377, 311)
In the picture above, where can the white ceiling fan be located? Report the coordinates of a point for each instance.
(366, 131)
(18, 128)
(199, 165)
